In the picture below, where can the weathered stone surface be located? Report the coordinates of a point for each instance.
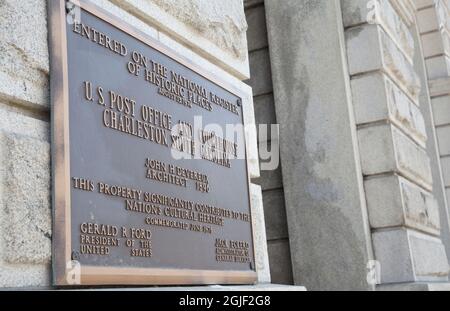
(257, 30)
(437, 67)
(406, 10)
(280, 262)
(275, 214)
(376, 98)
(370, 48)
(260, 72)
(441, 110)
(420, 4)
(443, 134)
(439, 87)
(433, 44)
(430, 260)
(25, 275)
(259, 234)
(445, 161)
(416, 287)
(264, 114)
(24, 61)
(251, 3)
(412, 160)
(432, 149)
(220, 22)
(322, 180)
(392, 201)
(26, 215)
(385, 149)
(357, 12)
(172, 26)
(409, 256)
(270, 180)
(265, 109)
(427, 20)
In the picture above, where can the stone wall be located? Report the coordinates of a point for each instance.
(404, 213)
(208, 33)
(362, 174)
(270, 181)
(434, 25)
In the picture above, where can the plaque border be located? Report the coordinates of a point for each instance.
(61, 202)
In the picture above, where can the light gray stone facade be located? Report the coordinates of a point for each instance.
(360, 90)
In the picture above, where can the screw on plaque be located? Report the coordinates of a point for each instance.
(69, 6)
(75, 255)
(239, 102)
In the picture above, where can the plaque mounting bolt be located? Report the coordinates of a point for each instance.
(239, 102)
(75, 255)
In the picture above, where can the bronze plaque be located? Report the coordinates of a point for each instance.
(149, 187)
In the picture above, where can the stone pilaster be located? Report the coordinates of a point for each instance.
(327, 218)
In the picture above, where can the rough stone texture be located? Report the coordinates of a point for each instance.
(427, 20)
(415, 287)
(321, 174)
(25, 213)
(355, 12)
(265, 114)
(252, 3)
(432, 37)
(385, 149)
(393, 110)
(26, 199)
(280, 262)
(370, 48)
(409, 256)
(24, 53)
(260, 79)
(443, 134)
(257, 31)
(376, 98)
(222, 22)
(270, 180)
(439, 87)
(214, 29)
(445, 161)
(25, 275)
(438, 67)
(275, 214)
(259, 235)
(402, 204)
(432, 44)
(441, 110)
